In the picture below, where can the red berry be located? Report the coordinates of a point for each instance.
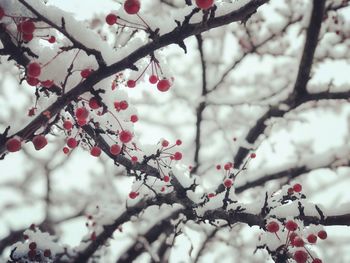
(94, 103)
(317, 260)
(298, 242)
(252, 155)
(165, 143)
(300, 256)
(166, 178)
(86, 73)
(218, 167)
(132, 6)
(81, 122)
(297, 188)
(292, 236)
(177, 156)
(273, 227)
(32, 81)
(131, 83)
(33, 69)
(81, 113)
(115, 149)
(32, 245)
(27, 37)
(67, 125)
(2, 13)
(290, 191)
(13, 145)
(47, 83)
(163, 85)
(291, 225)
(95, 151)
(47, 253)
(228, 183)
(123, 105)
(125, 136)
(39, 142)
(111, 19)
(211, 195)
(322, 234)
(133, 195)
(204, 4)
(52, 39)
(134, 118)
(65, 150)
(153, 79)
(178, 142)
(31, 254)
(72, 143)
(228, 166)
(134, 159)
(27, 27)
(312, 238)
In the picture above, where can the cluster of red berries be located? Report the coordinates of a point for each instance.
(165, 147)
(301, 255)
(204, 4)
(14, 144)
(163, 84)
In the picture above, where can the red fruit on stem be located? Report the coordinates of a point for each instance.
(228, 166)
(292, 236)
(300, 256)
(111, 19)
(95, 151)
(298, 242)
(291, 225)
(123, 105)
(177, 156)
(252, 155)
(32, 81)
(81, 113)
(13, 145)
(27, 37)
(81, 122)
(290, 191)
(131, 83)
(67, 125)
(204, 4)
(317, 260)
(94, 103)
(125, 136)
(47, 253)
(134, 159)
(72, 143)
(47, 83)
(312, 238)
(86, 73)
(132, 6)
(133, 195)
(27, 27)
(65, 150)
(322, 234)
(33, 69)
(218, 167)
(178, 142)
(211, 195)
(52, 39)
(134, 118)
(163, 85)
(166, 178)
(39, 142)
(153, 79)
(228, 183)
(32, 245)
(272, 227)
(165, 143)
(115, 149)
(297, 188)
